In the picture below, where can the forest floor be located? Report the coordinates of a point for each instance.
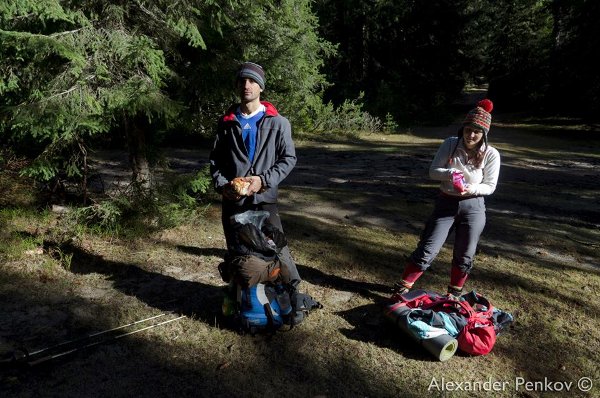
(353, 211)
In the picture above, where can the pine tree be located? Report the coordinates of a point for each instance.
(410, 58)
(75, 70)
(71, 72)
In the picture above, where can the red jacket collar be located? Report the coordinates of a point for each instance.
(230, 114)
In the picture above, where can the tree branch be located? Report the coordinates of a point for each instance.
(68, 32)
(90, 77)
(63, 93)
(147, 11)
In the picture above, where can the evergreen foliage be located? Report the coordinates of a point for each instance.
(73, 72)
(348, 119)
(282, 37)
(518, 53)
(410, 58)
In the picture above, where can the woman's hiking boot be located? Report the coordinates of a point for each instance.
(399, 288)
(454, 292)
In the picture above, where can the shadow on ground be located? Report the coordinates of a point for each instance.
(371, 326)
(189, 298)
(364, 289)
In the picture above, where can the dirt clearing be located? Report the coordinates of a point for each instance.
(352, 211)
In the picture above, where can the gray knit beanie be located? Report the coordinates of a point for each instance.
(252, 71)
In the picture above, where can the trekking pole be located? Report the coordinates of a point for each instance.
(23, 356)
(60, 354)
(92, 335)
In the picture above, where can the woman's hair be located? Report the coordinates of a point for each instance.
(478, 160)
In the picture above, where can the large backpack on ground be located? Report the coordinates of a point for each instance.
(444, 324)
(259, 296)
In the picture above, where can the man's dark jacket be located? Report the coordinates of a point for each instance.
(274, 159)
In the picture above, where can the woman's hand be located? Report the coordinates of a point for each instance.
(470, 189)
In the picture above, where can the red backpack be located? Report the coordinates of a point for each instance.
(478, 336)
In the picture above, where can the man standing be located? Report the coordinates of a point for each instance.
(254, 142)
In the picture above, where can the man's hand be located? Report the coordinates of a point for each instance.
(255, 184)
(230, 193)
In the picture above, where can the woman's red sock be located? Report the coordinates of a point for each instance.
(457, 278)
(411, 274)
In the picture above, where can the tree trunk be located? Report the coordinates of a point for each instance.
(136, 139)
(84, 181)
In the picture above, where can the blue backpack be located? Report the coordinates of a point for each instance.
(264, 307)
(267, 307)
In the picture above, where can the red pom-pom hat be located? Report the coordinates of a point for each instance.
(480, 116)
(486, 104)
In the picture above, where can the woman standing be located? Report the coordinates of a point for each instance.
(467, 168)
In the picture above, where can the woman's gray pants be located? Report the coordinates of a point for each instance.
(466, 216)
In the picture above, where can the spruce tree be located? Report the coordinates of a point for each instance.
(73, 71)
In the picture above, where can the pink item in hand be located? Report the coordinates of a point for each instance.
(458, 181)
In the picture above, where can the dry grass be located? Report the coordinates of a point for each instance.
(350, 225)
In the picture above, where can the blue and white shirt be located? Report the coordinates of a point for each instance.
(249, 125)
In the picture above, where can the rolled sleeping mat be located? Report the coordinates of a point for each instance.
(442, 347)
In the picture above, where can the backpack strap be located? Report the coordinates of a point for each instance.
(269, 314)
(463, 306)
(442, 303)
(302, 304)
